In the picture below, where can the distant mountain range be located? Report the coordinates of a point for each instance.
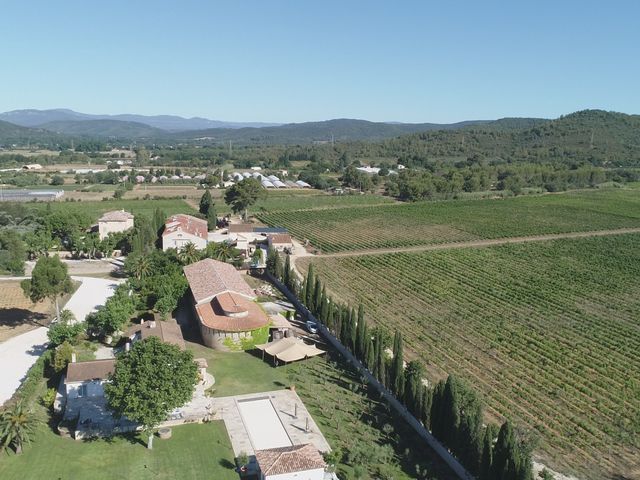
(55, 126)
(171, 123)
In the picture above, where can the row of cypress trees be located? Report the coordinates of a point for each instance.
(451, 410)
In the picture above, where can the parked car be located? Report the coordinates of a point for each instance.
(312, 326)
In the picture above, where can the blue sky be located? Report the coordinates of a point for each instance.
(292, 61)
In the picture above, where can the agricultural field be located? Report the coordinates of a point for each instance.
(286, 200)
(17, 313)
(97, 208)
(430, 223)
(547, 332)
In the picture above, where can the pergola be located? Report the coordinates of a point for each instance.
(289, 349)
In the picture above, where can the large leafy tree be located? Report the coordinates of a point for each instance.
(149, 381)
(12, 252)
(116, 312)
(244, 194)
(49, 279)
(17, 424)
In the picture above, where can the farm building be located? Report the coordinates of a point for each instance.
(166, 330)
(182, 229)
(296, 462)
(32, 166)
(281, 242)
(30, 195)
(224, 303)
(114, 222)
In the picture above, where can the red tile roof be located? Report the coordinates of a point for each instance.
(186, 223)
(241, 228)
(280, 238)
(297, 458)
(229, 312)
(166, 330)
(92, 370)
(208, 278)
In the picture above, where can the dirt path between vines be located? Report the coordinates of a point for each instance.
(483, 243)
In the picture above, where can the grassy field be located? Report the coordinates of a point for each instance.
(350, 419)
(404, 225)
(193, 452)
(547, 332)
(17, 313)
(97, 208)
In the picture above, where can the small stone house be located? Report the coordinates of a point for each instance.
(114, 222)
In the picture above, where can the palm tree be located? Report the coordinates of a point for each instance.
(189, 254)
(16, 425)
(225, 252)
(139, 266)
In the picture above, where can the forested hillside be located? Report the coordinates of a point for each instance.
(592, 136)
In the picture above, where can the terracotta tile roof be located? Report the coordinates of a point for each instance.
(280, 238)
(166, 330)
(92, 370)
(208, 278)
(296, 458)
(229, 312)
(186, 223)
(116, 216)
(241, 228)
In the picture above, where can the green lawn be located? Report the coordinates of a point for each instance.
(194, 452)
(137, 207)
(373, 440)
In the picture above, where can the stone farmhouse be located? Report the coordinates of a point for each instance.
(224, 303)
(114, 222)
(181, 229)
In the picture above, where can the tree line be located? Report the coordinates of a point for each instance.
(451, 410)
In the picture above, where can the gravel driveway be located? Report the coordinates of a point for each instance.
(19, 353)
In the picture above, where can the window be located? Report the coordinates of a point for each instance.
(82, 390)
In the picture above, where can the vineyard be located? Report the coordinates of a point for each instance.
(548, 332)
(427, 223)
(313, 199)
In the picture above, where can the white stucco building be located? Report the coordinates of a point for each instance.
(181, 229)
(114, 222)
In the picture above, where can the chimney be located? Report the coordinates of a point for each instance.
(142, 321)
(127, 346)
(73, 357)
(152, 324)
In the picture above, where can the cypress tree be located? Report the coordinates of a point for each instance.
(361, 328)
(286, 272)
(344, 330)
(338, 322)
(451, 413)
(380, 360)
(330, 321)
(487, 452)
(412, 390)
(370, 359)
(303, 291)
(351, 332)
(324, 307)
(504, 454)
(437, 421)
(317, 296)
(311, 284)
(396, 376)
(427, 399)
(205, 202)
(277, 265)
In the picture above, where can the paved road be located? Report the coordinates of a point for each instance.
(483, 243)
(19, 353)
